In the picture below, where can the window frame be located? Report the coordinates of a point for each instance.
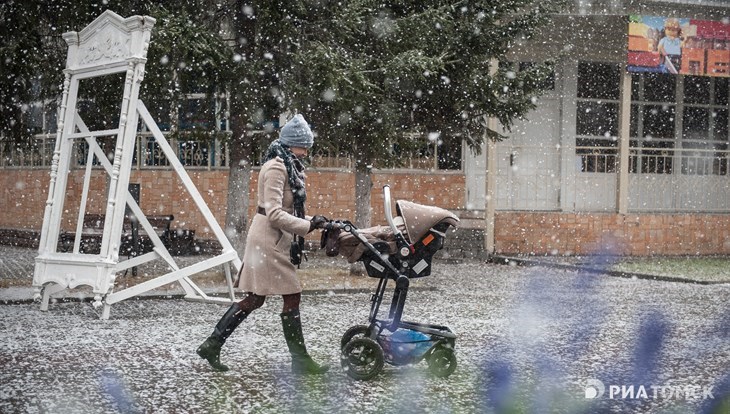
(597, 153)
(674, 153)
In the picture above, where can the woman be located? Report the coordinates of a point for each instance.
(268, 268)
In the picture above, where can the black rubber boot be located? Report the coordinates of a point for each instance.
(210, 350)
(301, 362)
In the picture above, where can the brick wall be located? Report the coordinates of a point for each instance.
(632, 234)
(23, 198)
(331, 192)
(25, 192)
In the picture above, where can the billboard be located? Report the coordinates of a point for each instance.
(679, 46)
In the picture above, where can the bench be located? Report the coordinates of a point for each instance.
(134, 241)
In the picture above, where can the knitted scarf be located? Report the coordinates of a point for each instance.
(295, 171)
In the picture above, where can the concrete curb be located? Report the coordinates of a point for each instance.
(177, 295)
(521, 261)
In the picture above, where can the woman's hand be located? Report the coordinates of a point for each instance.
(317, 222)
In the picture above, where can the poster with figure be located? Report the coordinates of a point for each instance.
(678, 46)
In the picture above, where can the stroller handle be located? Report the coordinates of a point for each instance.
(387, 209)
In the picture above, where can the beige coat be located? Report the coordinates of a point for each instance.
(267, 269)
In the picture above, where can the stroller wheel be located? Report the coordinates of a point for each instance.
(362, 358)
(442, 362)
(356, 331)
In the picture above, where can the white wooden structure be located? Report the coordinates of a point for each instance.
(111, 45)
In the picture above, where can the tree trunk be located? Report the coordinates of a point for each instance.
(241, 145)
(363, 212)
(239, 183)
(363, 191)
(239, 176)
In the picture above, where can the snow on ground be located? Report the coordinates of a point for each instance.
(529, 338)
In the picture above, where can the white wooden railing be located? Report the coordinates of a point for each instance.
(687, 161)
(207, 154)
(193, 153)
(660, 179)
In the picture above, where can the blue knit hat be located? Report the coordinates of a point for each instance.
(296, 133)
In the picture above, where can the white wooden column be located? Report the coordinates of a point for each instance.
(569, 88)
(491, 181)
(624, 125)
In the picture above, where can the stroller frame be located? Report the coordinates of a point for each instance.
(366, 347)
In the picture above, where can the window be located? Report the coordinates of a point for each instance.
(705, 126)
(697, 89)
(447, 153)
(597, 119)
(597, 116)
(429, 153)
(546, 76)
(598, 80)
(653, 120)
(197, 112)
(679, 124)
(654, 87)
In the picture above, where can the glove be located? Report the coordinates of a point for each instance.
(330, 241)
(317, 222)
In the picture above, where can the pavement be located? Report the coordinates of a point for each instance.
(318, 274)
(529, 339)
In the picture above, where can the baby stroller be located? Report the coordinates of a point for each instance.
(388, 254)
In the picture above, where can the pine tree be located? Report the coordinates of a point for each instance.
(371, 75)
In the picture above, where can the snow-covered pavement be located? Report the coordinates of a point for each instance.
(529, 338)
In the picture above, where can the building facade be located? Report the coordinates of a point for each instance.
(615, 158)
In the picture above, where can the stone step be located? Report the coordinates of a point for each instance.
(470, 219)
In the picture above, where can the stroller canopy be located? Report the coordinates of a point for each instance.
(418, 219)
(413, 220)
